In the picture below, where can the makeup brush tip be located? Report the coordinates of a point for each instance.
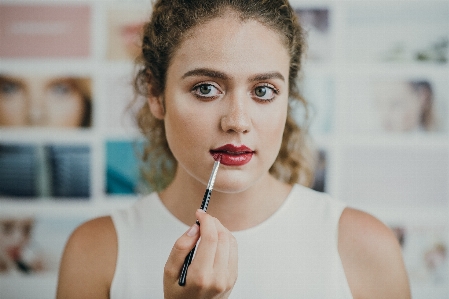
(217, 157)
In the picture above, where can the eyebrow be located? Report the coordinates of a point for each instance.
(207, 73)
(220, 75)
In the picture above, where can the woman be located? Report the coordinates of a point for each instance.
(219, 76)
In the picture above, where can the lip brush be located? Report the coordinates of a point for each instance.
(204, 204)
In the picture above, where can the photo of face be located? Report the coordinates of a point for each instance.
(220, 94)
(125, 27)
(316, 24)
(15, 236)
(33, 244)
(424, 249)
(44, 101)
(404, 106)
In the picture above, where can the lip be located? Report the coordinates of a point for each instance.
(14, 252)
(233, 155)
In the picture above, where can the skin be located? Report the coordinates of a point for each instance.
(40, 101)
(244, 196)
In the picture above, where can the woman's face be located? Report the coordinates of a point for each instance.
(40, 101)
(226, 93)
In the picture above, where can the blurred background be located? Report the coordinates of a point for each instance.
(376, 75)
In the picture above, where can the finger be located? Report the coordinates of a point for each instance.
(233, 258)
(205, 253)
(222, 254)
(180, 250)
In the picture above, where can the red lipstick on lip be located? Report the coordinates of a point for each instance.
(233, 155)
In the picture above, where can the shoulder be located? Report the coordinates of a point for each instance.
(88, 262)
(371, 257)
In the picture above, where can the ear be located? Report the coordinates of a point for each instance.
(156, 106)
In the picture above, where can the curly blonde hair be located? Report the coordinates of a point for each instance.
(164, 33)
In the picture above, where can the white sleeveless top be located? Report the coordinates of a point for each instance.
(293, 254)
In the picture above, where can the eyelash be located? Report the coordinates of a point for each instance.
(269, 86)
(195, 91)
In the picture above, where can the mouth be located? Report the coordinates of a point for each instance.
(13, 252)
(232, 155)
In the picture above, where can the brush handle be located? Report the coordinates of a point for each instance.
(189, 257)
(206, 199)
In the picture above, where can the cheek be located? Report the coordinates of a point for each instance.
(67, 111)
(271, 123)
(187, 127)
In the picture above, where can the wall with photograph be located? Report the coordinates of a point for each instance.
(376, 77)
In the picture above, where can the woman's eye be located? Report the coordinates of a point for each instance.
(9, 87)
(265, 93)
(206, 90)
(61, 88)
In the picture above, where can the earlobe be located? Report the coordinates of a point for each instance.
(156, 106)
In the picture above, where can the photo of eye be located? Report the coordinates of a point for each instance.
(45, 101)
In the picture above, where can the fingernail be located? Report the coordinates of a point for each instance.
(193, 230)
(201, 211)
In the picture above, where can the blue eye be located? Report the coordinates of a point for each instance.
(206, 90)
(260, 91)
(61, 88)
(265, 92)
(9, 87)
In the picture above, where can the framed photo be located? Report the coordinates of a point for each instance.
(417, 104)
(36, 100)
(45, 31)
(31, 171)
(397, 32)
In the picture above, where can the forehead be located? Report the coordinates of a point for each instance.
(227, 41)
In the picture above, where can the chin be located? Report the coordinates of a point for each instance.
(234, 184)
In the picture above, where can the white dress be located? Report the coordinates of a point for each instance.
(293, 254)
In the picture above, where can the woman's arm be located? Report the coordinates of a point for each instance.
(371, 257)
(88, 262)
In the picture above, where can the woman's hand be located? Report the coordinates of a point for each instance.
(213, 271)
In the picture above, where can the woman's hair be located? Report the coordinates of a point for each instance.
(163, 35)
(83, 86)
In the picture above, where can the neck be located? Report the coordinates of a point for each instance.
(236, 211)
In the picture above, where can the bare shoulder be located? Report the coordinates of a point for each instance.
(371, 257)
(88, 262)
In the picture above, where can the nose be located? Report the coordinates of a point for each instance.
(36, 110)
(236, 117)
